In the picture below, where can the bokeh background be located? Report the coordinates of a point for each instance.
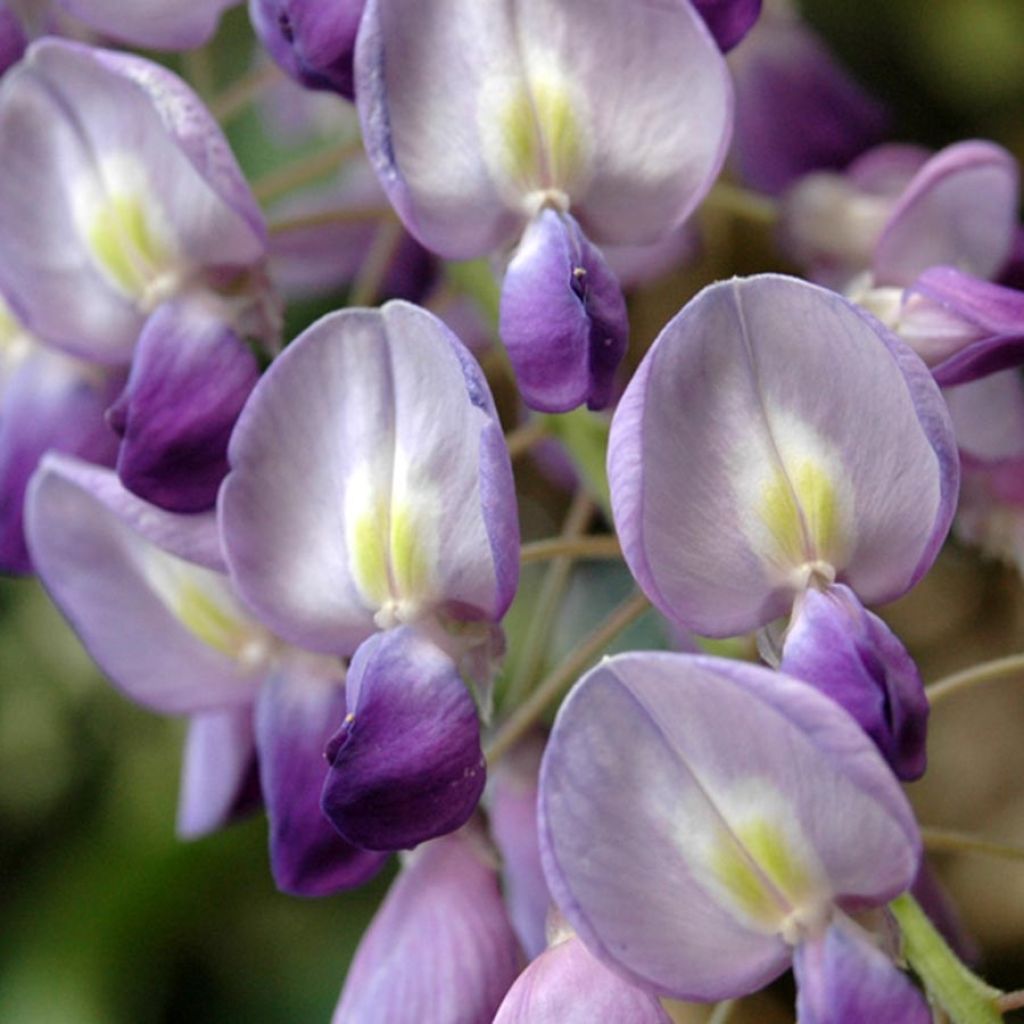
(106, 918)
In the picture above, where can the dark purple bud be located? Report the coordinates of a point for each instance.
(843, 978)
(728, 20)
(850, 655)
(569, 985)
(313, 41)
(563, 317)
(295, 714)
(406, 764)
(190, 377)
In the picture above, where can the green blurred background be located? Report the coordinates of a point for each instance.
(105, 918)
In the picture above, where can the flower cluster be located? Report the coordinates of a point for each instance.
(307, 545)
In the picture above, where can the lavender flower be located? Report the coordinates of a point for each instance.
(705, 824)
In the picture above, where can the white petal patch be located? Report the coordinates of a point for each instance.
(797, 506)
(126, 230)
(755, 859)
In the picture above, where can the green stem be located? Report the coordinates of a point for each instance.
(602, 546)
(369, 282)
(237, 96)
(520, 440)
(552, 590)
(743, 203)
(948, 840)
(304, 170)
(523, 718)
(723, 1012)
(986, 672)
(962, 994)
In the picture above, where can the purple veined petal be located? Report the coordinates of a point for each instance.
(852, 656)
(563, 317)
(567, 985)
(382, 423)
(513, 818)
(192, 538)
(313, 42)
(189, 379)
(962, 326)
(48, 401)
(797, 110)
(728, 20)
(196, 132)
(153, 24)
(735, 419)
(296, 712)
(959, 209)
(440, 949)
(988, 416)
(535, 100)
(842, 978)
(219, 778)
(168, 633)
(757, 804)
(406, 763)
(105, 212)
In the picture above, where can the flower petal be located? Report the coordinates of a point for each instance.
(190, 377)
(566, 985)
(296, 713)
(370, 478)
(406, 763)
(563, 317)
(219, 780)
(849, 654)
(440, 949)
(167, 632)
(843, 979)
(672, 781)
(153, 24)
(736, 417)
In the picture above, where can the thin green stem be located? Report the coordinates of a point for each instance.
(599, 547)
(949, 840)
(369, 283)
(304, 170)
(523, 438)
(723, 1011)
(1011, 1001)
(743, 203)
(237, 96)
(550, 688)
(198, 68)
(365, 215)
(552, 589)
(986, 672)
(963, 995)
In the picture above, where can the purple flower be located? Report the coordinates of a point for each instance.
(746, 469)
(440, 949)
(897, 210)
(797, 110)
(566, 984)
(673, 781)
(128, 223)
(370, 488)
(313, 41)
(530, 110)
(146, 592)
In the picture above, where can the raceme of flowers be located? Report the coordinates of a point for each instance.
(307, 545)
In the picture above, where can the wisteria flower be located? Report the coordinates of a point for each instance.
(748, 483)
(492, 125)
(707, 823)
(371, 489)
